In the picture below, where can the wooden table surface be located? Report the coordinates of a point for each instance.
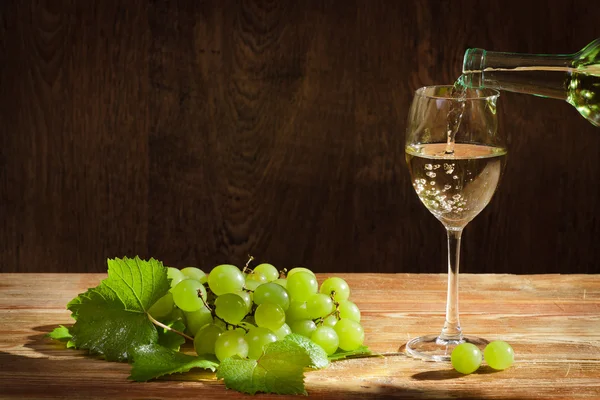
(552, 322)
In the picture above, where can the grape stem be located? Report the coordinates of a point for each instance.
(335, 312)
(206, 304)
(247, 266)
(158, 323)
(234, 326)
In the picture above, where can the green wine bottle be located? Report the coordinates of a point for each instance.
(574, 78)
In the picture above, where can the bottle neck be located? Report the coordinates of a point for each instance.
(537, 74)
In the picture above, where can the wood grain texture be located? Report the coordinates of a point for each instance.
(198, 132)
(552, 322)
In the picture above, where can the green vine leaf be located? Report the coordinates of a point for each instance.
(111, 318)
(152, 361)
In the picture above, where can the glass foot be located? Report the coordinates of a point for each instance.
(432, 348)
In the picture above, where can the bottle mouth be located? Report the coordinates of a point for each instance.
(473, 61)
(472, 69)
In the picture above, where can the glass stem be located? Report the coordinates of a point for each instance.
(451, 330)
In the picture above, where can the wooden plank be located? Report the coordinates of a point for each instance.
(552, 321)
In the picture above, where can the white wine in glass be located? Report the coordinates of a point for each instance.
(455, 155)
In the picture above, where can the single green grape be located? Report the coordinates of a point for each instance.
(301, 286)
(330, 321)
(349, 310)
(297, 311)
(350, 334)
(268, 270)
(257, 339)
(269, 315)
(163, 306)
(319, 305)
(304, 327)
(336, 285)
(188, 295)
(299, 269)
(281, 282)
(225, 278)
(204, 341)
(327, 338)
(283, 331)
(231, 308)
(197, 319)
(466, 358)
(194, 273)
(231, 343)
(272, 293)
(175, 276)
(499, 355)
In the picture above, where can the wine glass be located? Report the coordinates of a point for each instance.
(455, 155)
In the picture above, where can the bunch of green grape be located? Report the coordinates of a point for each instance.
(238, 312)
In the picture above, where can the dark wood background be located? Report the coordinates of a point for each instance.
(198, 132)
